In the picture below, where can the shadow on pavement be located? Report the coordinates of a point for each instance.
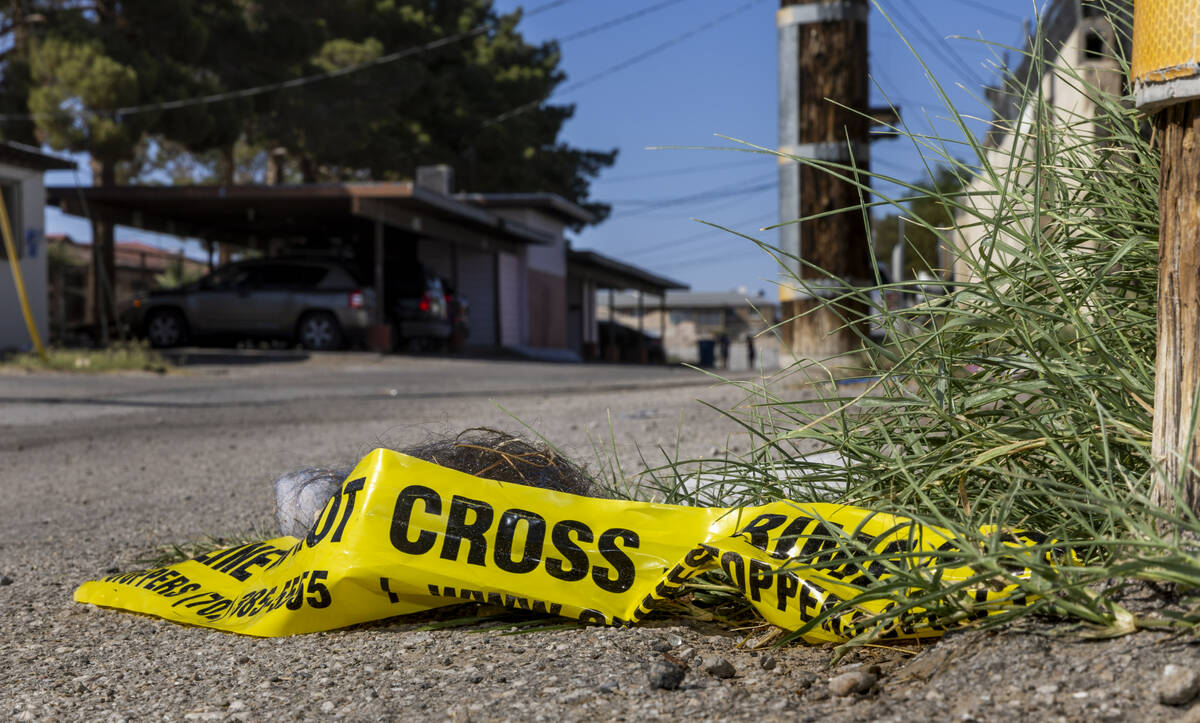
(192, 356)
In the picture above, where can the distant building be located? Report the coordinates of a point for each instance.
(686, 319)
(1078, 40)
(24, 197)
(506, 254)
(139, 268)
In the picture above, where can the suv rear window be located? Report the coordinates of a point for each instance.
(290, 276)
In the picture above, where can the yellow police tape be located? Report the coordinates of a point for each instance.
(406, 535)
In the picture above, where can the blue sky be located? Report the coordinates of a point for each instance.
(718, 76)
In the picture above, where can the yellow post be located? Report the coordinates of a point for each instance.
(18, 280)
(1166, 82)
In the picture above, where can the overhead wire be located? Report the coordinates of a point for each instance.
(942, 49)
(280, 85)
(622, 65)
(679, 171)
(600, 27)
(991, 10)
(701, 240)
(700, 195)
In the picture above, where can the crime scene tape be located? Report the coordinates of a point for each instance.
(404, 535)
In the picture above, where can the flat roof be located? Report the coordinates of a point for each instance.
(259, 210)
(552, 202)
(609, 273)
(19, 154)
(700, 300)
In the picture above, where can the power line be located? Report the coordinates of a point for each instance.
(943, 50)
(727, 195)
(617, 21)
(704, 238)
(714, 191)
(678, 171)
(281, 85)
(991, 10)
(644, 55)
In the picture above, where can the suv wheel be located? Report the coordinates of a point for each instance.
(166, 328)
(319, 331)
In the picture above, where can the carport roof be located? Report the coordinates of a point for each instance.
(608, 273)
(19, 154)
(226, 212)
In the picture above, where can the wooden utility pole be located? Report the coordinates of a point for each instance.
(1166, 76)
(822, 67)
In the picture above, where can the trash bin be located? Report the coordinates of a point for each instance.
(707, 349)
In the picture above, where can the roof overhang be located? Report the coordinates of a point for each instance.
(608, 273)
(19, 154)
(548, 202)
(229, 212)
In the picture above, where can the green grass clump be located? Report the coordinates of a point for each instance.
(1018, 395)
(118, 357)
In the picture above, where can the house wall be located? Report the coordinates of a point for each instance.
(543, 294)
(476, 279)
(28, 233)
(514, 312)
(973, 244)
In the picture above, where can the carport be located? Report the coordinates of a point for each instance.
(587, 273)
(383, 229)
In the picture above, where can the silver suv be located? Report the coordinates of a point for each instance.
(319, 304)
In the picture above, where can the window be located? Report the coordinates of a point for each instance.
(289, 276)
(12, 203)
(1094, 46)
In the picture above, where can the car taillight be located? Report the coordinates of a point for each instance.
(357, 299)
(425, 303)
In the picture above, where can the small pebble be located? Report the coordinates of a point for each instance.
(1178, 685)
(768, 663)
(5, 580)
(609, 686)
(805, 679)
(674, 640)
(686, 654)
(666, 675)
(719, 668)
(856, 681)
(660, 646)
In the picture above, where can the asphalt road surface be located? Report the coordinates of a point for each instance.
(96, 471)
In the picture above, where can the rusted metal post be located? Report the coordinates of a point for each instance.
(823, 115)
(1166, 76)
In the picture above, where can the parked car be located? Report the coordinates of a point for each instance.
(319, 304)
(629, 343)
(421, 310)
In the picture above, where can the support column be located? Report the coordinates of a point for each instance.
(611, 352)
(379, 337)
(380, 310)
(1176, 445)
(643, 353)
(662, 321)
(822, 67)
(1165, 70)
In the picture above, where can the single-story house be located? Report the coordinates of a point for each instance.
(505, 253)
(685, 320)
(21, 170)
(72, 279)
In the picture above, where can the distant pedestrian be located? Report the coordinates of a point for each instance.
(724, 344)
(750, 350)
